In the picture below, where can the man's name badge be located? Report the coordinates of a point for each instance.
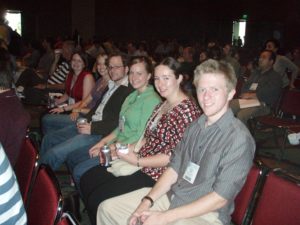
(71, 101)
(121, 123)
(191, 172)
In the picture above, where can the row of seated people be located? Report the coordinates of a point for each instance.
(35, 86)
(187, 55)
(167, 142)
(281, 65)
(117, 72)
(180, 50)
(56, 78)
(79, 84)
(71, 142)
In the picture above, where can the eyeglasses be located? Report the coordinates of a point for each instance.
(114, 67)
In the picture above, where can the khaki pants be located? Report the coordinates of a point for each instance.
(245, 114)
(117, 210)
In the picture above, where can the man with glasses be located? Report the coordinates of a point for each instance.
(101, 120)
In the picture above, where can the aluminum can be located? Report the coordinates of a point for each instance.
(106, 155)
(81, 120)
(123, 148)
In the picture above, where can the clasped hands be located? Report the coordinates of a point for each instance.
(143, 216)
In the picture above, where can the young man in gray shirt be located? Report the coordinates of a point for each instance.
(207, 170)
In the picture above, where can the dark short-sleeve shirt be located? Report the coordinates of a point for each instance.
(269, 86)
(223, 151)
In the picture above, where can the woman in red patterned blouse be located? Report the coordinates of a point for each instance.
(164, 130)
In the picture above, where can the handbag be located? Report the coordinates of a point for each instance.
(120, 167)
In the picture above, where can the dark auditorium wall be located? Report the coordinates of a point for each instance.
(83, 17)
(134, 19)
(43, 18)
(146, 19)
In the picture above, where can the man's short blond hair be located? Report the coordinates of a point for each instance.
(216, 67)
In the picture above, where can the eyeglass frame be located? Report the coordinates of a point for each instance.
(114, 67)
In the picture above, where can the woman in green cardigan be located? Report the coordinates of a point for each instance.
(134, 114)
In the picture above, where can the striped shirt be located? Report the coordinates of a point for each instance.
(223, 151)
(12, 210)
(60, 74)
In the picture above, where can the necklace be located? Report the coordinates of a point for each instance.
(169, 106)
(165, 108)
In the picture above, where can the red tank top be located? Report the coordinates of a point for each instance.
(77, 90)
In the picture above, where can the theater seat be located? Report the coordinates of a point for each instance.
(67, 219)
(45, 199)
(246, 198)
(279, 203)
(26, 167)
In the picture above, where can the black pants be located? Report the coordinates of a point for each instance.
(98, 185)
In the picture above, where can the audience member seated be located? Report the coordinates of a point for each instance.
(142, 50)
(207, 170)
(214, 52)
(135, 112)
(187, 68)
(57, 121)
(227, 51)
(261, 91)
(13, 118)
(188, 63)
(101, 120)
(96, 49)
(295, 57)
(33, 54)
(203, 56)
(79, 84)
(163, 132)
(47, 58)
(162, 49)
(42, 71)
(131, 49)
(282, 64)
(12, 209)
(35, 87)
